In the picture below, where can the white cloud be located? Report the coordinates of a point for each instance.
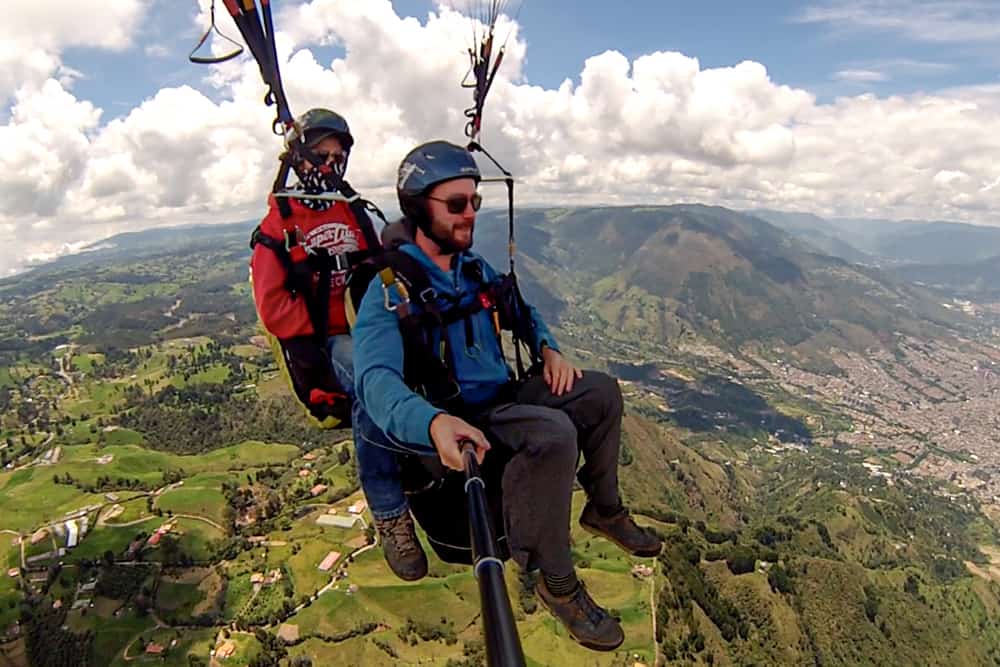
(34, 34)
(860, 76)
(657, 129)
(156, 51)
(941, 21)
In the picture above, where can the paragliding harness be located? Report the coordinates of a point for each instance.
(305, 360)
(433, 493)
(503, 646)
(428, 367)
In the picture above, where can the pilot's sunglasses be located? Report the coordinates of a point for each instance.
(330, 158)
(456, 203)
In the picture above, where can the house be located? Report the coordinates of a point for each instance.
(329, 561)
(338, 520)
(303, 473)
(72, 534)
(39, 535)
(642, 571)
(14, 572)
(226, 650)
(309, 457)
(257, 578)
(111, 497)
(318, 489)
(154, 539)
(153, 648)
(358, 507)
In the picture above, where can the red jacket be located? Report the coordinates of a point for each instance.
(335, 229)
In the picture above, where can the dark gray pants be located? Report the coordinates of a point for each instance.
(546, 433)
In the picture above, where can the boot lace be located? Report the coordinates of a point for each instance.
(594, 613)
(399, 532)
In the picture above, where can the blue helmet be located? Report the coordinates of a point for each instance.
(428, 165)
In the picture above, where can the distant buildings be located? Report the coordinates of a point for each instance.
(72, 534)
(153, 648)
(155, 538)
(338, 520)
(318, 489)
(358, 507)
(642, 571)
(266, 579)
(226, 650)
(329, 561)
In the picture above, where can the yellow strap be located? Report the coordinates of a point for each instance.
(389, 279)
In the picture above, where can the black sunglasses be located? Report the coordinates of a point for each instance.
(456, 203)
(330, 158)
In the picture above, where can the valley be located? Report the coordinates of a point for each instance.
(825, 477)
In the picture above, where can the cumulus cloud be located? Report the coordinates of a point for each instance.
(659, 128)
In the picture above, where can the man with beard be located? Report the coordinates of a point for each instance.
(542, 424)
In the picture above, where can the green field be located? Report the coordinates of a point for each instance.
(8, 585)
(112, 634)
(315, 543)
(200, 496)
(111, 537)
(188, 642)
(134, 462)
(20, 491)
(133, 510)
(194, 539)
(85, 362)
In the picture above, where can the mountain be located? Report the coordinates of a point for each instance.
(817, 232)
(891, 241)
(730, 277)
(941, 243)
(979, 279)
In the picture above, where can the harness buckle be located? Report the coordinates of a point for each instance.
(295, 237)
(388, 304)
(428, 295)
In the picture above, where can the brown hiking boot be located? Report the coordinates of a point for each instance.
(588, 623)
(621, 529)
(403, 553)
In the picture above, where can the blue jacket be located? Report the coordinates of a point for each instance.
(378, 351)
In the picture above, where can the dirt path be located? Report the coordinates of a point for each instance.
(652, 614)
(987, 572)
(201, 518)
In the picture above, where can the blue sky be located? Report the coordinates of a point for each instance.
(829, 57)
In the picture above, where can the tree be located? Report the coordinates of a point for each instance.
(741, 560)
